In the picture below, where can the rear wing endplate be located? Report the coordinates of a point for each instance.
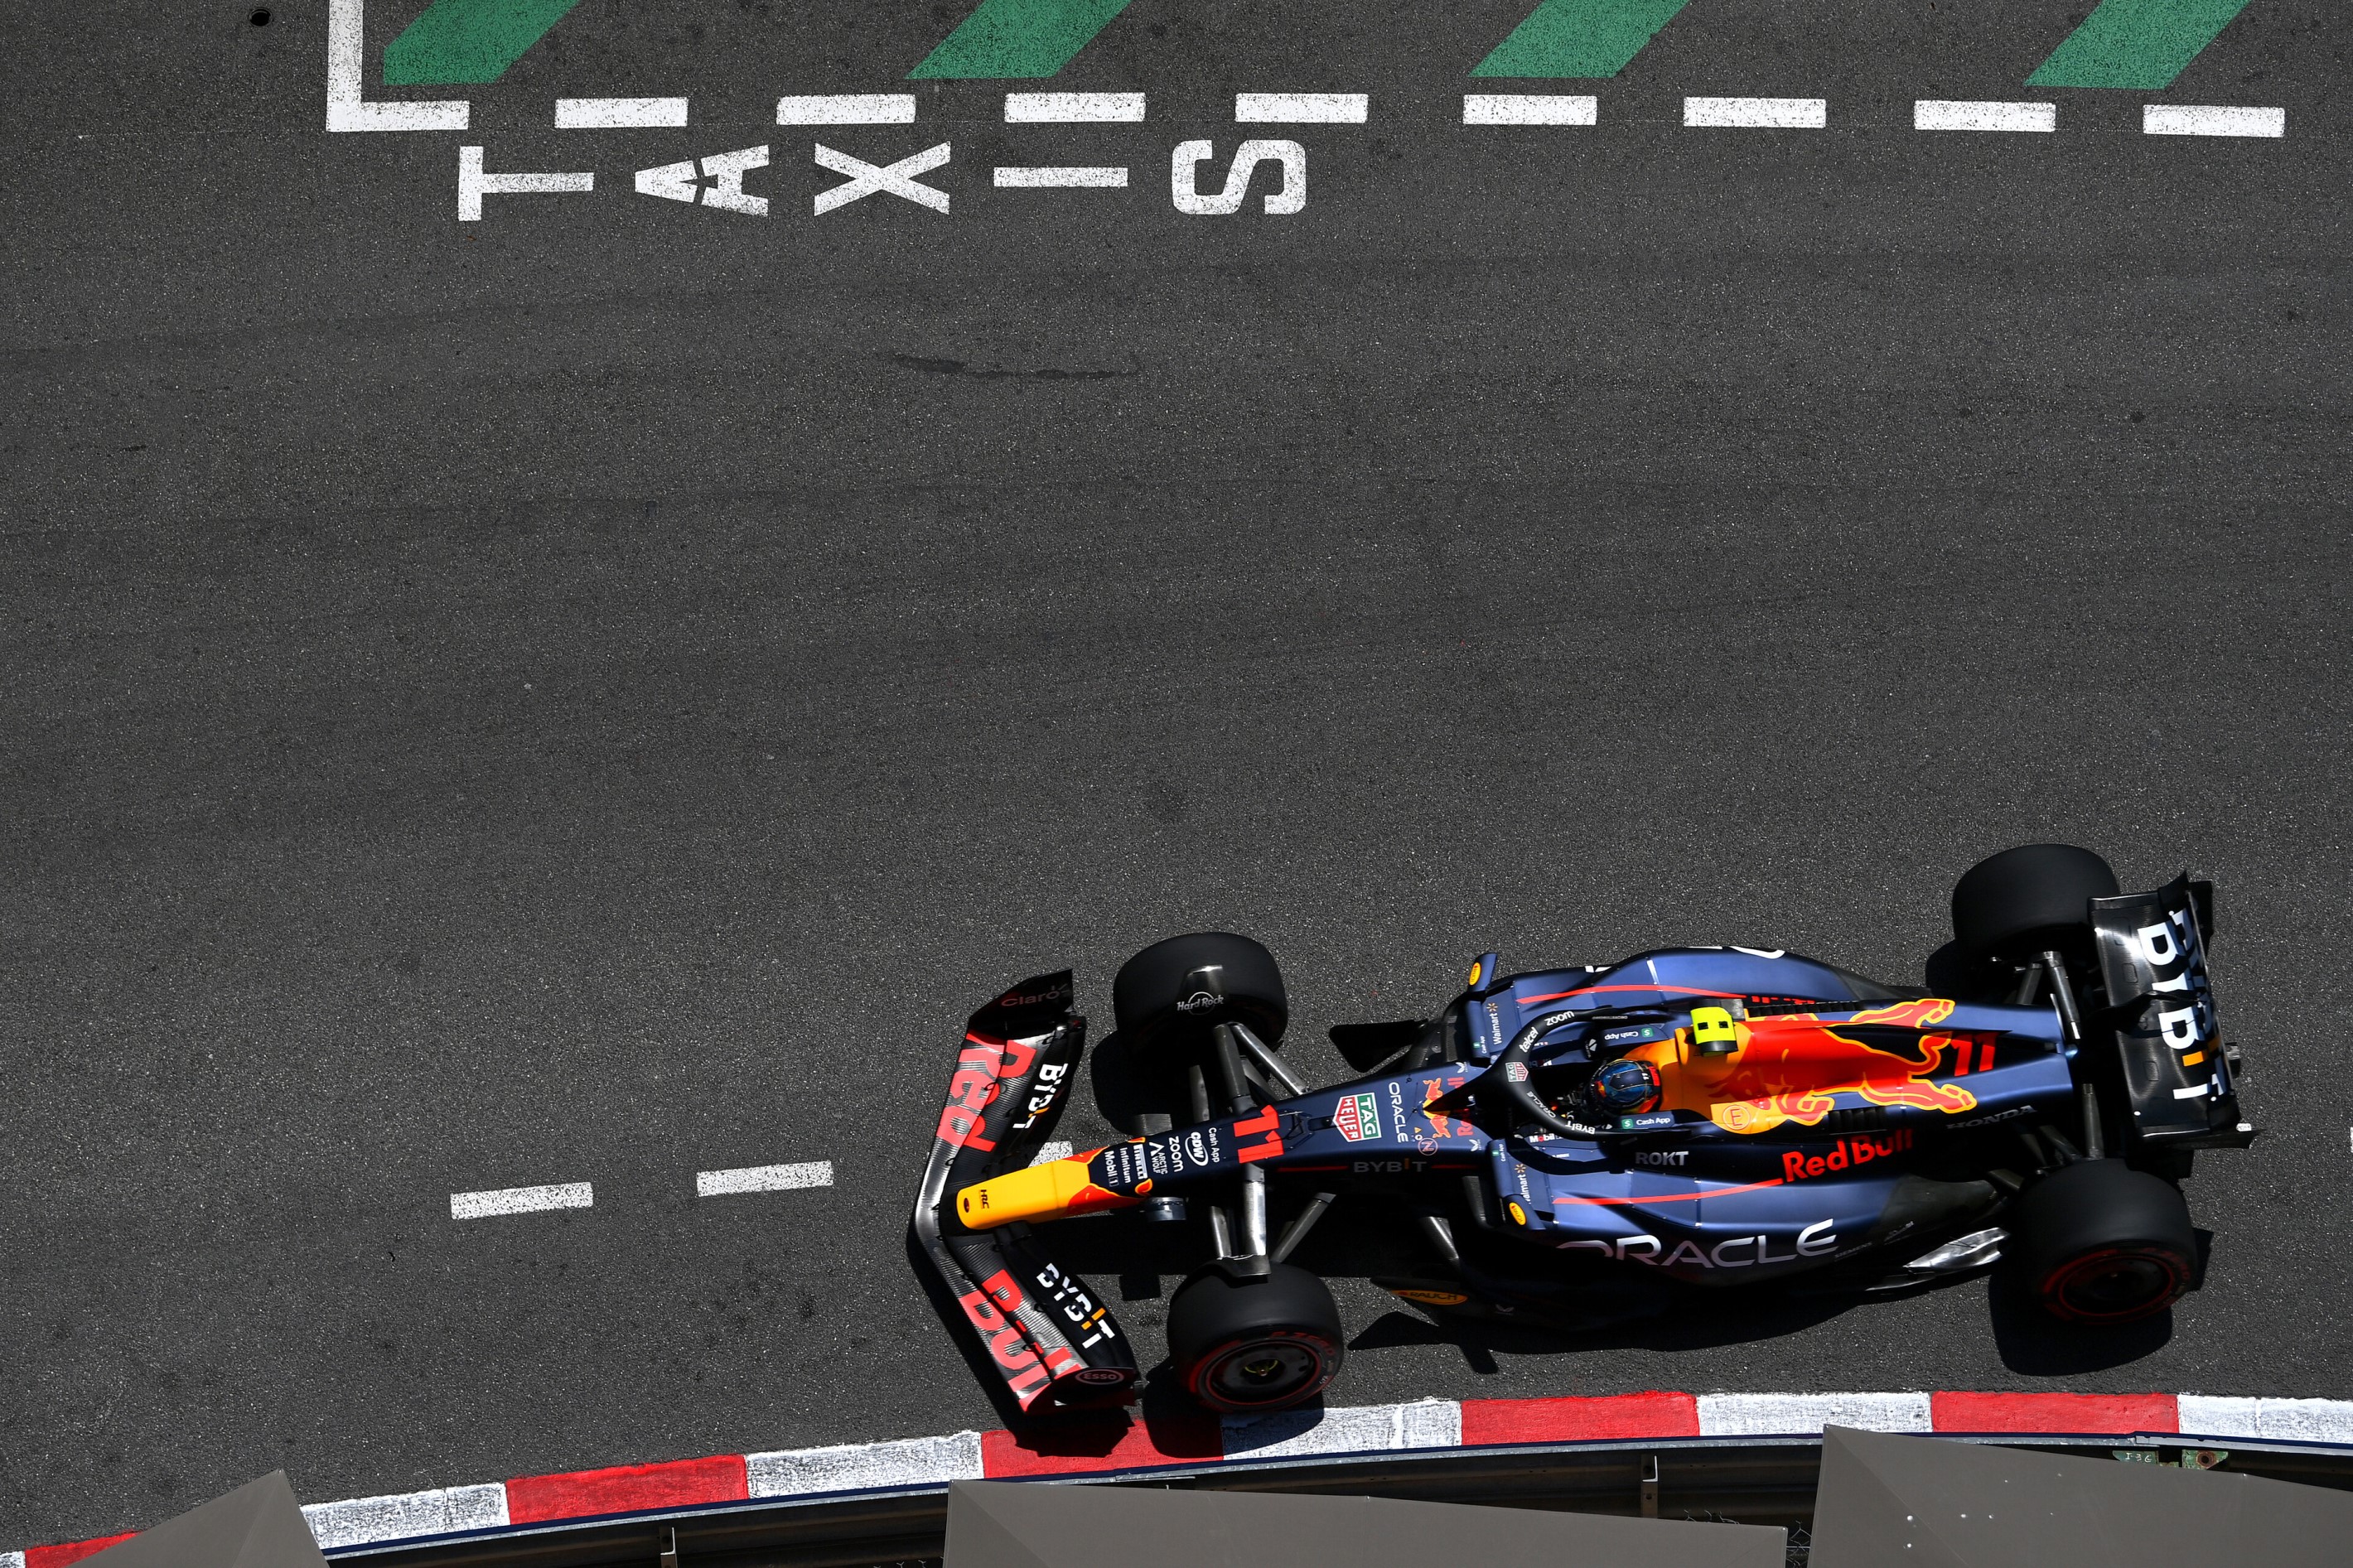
(2177, 1068)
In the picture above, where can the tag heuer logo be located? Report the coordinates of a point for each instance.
(1358, 1117)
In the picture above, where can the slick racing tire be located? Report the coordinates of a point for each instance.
(1209, 977)
(2025, 901)
(1255, 1345)
(2097, 1243)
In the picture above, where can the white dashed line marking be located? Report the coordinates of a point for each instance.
(1049, 1153)
(1072, 107)
(848, 108)
(763, 1179)
(521, 1200)
(1759, 113)
(2206, 120)
(1098, 177)
(1302, 108)
(1964, 114)
(1530, 109)
(618, 113)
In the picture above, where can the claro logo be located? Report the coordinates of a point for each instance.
(1033, 998)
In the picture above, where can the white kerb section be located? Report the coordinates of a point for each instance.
(2279, 1420)
(1072, 107)
(1797, 1414)
(1049, 1152)
(763, 1179)
(865, 1466)
(2208, 119)
(618, 113)
(12, 1560)
(848, 108)
(1351, 1429)
(521, 1200)
(1758, 113)
(406, 1515)
(1302, 108)
(1530, 109)
(1969, 114)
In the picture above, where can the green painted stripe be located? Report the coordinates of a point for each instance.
(1018, 37)
(1579, 37)
(2136, 43)
(469, 40)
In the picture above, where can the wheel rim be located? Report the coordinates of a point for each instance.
(1257, 1373)
(2115, 1285)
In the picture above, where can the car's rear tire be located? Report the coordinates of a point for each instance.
(1164, 987)
(2024, 900)
(2097, 1243)
(1249, 1346)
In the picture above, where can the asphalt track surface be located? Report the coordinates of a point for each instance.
(597, 694)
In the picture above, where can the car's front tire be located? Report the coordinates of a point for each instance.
(1191, 982)
(1247, 1346)
(2098, 1243)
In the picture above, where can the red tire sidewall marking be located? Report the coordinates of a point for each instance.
(2054, 1283)
(1327, 1367)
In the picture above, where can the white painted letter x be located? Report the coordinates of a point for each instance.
(867, 178)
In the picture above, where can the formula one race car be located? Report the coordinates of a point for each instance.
(1574, 1146)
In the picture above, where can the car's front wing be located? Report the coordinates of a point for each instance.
(1047, 1337)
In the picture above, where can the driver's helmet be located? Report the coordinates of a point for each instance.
(1625, 1088)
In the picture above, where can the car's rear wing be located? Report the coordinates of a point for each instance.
(1047, 1337)
(2177, 1065)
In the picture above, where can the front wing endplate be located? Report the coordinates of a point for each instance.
(1047, 1337)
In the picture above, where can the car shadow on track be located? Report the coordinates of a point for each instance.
(1687, 1329)
(1148, 1259)
(2034, 1344)
(2030, 1342)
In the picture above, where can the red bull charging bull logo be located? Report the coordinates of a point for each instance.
(1792, 1067)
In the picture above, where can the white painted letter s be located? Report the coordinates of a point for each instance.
(1185, 194)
